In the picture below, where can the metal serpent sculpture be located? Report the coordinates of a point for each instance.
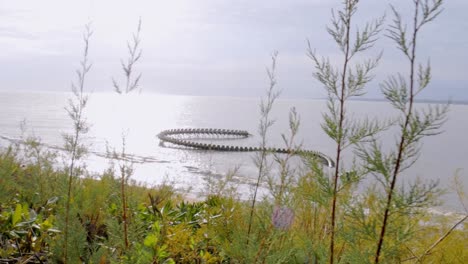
(173, 136)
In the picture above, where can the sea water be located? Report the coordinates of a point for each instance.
(140, 117)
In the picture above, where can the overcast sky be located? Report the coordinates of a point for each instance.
(210, 47)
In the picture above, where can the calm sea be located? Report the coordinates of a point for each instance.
(141, 117)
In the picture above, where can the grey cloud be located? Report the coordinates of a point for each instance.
(215, 47)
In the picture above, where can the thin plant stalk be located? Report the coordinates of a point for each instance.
(125, 172)
(72, 142)
(131, 83)
(125, 165)
(342, 84)
(265, 123)
(459, 190)
(286, 174)
(411, 130)
(339, 146)
(134, 52)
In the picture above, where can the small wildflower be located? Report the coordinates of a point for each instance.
(282, 217)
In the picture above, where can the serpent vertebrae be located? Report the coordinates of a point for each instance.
(171, 136)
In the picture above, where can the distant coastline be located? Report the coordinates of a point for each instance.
(423, 101)
(286, 98)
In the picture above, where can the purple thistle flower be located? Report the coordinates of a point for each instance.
(282, 217)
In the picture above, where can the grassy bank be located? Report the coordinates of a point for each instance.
(165, 229)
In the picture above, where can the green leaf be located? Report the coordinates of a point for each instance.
(26, 224)
(169, 261)
(192, 243)
(161, 252)
(46, 224)
(21, 232)
(53, 230)
(16, 215)
(151, 240)
(52, 200)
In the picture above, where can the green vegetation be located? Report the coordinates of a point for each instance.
(59, 213)
(165, 229)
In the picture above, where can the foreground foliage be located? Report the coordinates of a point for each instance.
(165, 229)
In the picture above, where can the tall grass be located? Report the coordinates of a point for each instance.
(134, 52)
(73, 142)
(343, 84)
(125, 165)
(401, 92)
(266, 122)
(280, 185)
